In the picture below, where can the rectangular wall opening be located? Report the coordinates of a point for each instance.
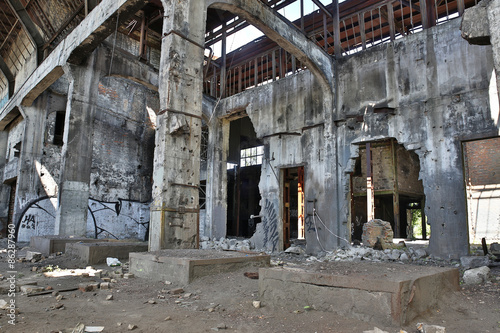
(293, 206)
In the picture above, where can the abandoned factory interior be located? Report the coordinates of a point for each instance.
(251, 126)
(142, 120)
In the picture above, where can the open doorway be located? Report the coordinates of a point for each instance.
(398, 194)
(293, 206)
(243, 176)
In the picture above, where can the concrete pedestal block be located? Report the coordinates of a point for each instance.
(97, 252)
(184, 266)
(52, 244)
(388, 299)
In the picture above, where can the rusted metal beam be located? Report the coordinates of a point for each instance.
(336, 29)
(323, 8)
(370, 193)
(11, 79)
(23, 16)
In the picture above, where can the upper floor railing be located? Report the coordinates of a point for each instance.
(358, 25)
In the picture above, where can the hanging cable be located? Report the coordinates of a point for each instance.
(319, 218)
(114, 42)
(317, 234)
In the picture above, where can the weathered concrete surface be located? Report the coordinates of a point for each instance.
(92, 253)
(394, 298)
(53, 244)
(176, 173)
(184, 266)
(76, 154)
(475, 25)
(440, 87)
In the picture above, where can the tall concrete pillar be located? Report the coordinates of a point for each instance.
(71, 216)
(174, 211)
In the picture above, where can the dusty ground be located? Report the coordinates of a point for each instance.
(212, 303)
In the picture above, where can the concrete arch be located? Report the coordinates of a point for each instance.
(285, 35)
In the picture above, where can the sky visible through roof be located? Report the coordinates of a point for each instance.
(243, 37)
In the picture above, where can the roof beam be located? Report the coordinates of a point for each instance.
(29, 25)
(8, 74)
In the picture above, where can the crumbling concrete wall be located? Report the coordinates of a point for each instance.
(289, 116)
(440, 89)
(122, 153)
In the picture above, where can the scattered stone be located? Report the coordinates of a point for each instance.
(420, 253)
(118, 271)
(168, 282)
(152, 301)
(97, 274)
(128, 276)
(187, 295)
(474, 261)
(295, 250)
(105, 285)
(109, 298)
(404, 257)
(114, 281)
(59, 298)
(3, 304)
(131, 327)
(34, 269)
(424, 328)
(106, 279)
(256, 304)
(375, 330)
(86, 287)
(176, 291)
(211, 309)
(377, 229)
(55, 293)
(49, 288)
(222, 326)
(167, 318)
(251, 275)
(31, 255)
(476, 275)
(494, 248)
(31, 289)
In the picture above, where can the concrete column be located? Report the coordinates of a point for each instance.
(176, 174)
(71, 216)
(218, 145)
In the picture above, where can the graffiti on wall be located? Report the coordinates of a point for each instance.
(120, 219)
(270, 225)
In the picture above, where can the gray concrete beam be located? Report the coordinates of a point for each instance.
(81, 39)
(283, 33)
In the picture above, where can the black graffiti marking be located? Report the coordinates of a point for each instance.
(28, 222)
(270, 224)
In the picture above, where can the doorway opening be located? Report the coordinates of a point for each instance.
(293, 206)
(244, 162)
(389, 173)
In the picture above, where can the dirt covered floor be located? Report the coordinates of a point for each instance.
(223, 302)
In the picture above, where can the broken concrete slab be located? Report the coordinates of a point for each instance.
(97, 252)
(47, 245)
(474, 261)
(392, 296)
(184, 266)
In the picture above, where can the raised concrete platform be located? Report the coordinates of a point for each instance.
(184, 266)
(387, 293)
(53, 244)
(97, 251)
